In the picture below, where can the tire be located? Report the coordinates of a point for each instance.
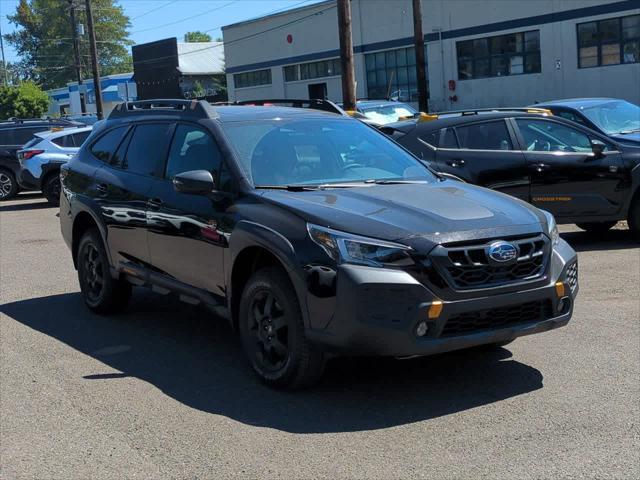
(634, 219)
(8, 184)
(272, 332)
(596, 227)
(51, 189)
(101, 292)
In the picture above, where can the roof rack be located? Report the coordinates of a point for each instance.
(314, 104)
(192, 108)
(477, 111)
(14, 120)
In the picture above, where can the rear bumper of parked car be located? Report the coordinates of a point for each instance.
(379, 312)
(28, 181)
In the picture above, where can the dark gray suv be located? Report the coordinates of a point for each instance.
(312, 233)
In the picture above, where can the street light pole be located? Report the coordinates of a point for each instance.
(76, 54)
(94, 62)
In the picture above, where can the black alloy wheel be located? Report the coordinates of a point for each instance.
(269, 331)
(51, 190)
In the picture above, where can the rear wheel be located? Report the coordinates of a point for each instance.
(101, 292)
(51, 189)
(596, 227)
(272, 332)
(8, 185)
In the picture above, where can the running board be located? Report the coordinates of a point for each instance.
(163, 284)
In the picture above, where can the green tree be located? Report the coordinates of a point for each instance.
(43, 40)
(193, 37)
(23, 101)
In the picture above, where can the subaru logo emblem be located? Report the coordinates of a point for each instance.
(502, 252)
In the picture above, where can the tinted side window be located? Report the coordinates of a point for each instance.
(192, 149)
(104, 148)
(432, 138)
(485, 136)
(64, 141)
(23, 135)
(570, 116)
(546, 136)
(6, 137)
(147, 149)
(79, 138)
(449, 140)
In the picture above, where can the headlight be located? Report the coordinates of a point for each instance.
(552, 228)
(347, 248)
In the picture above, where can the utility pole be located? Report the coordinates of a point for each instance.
(76, 54)
(421, 73)
(346, 55)
(4, 64)
(94, 62)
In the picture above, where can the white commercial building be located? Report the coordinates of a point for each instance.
(480, 53)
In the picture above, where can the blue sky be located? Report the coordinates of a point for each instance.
(149, 18)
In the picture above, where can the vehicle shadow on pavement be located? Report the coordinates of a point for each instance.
(611, 240)
(197, 360)
(15, 207)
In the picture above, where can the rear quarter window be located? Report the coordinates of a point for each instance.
(104, 148)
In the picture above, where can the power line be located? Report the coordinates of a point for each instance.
(154, 9)
(187, 18)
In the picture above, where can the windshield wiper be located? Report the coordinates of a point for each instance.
(627, 132)
(290, 188)
(395, 182)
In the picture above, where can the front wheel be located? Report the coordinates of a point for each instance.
(100, 291)
(596, 227)
(8, 185)
(51, 190)
(272, 332)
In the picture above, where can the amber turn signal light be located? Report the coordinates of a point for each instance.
(435, 309)
(560, 289)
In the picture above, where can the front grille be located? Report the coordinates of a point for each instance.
(495, 318)
(572, 277)
(468, 266)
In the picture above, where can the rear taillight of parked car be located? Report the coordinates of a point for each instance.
(27, 154)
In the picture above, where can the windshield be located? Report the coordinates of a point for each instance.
(317, 152)
(384, 114)
(615, 117)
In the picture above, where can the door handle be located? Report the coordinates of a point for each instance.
(458, 162)
(102, 189)
(154, 203)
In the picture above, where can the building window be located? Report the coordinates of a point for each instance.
(392, 74)
(512, 54)
(308, 71)
(609, 42)
(252, 79)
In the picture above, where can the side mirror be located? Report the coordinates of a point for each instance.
(194, 182)
(598, 148)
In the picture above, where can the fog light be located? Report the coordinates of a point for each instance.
(421, 329)
(562, 303)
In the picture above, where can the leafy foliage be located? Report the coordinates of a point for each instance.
(44, 40)
(23, 101)
(193, 37)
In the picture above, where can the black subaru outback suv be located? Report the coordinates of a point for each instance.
(311, 232)
(577, 174)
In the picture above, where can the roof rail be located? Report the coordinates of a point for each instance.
(476, 111)
(314, 104)
(192, 108)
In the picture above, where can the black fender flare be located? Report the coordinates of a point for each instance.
(247, 234)
(84, 205)
(49, 169)
(634, 191)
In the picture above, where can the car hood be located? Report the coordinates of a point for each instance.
(438, 212)
(633, 138)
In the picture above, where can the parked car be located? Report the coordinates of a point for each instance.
(40, 159)
(14, 133)
(382, 112)
(85, 118)
(312, 233)
(578, 174)
(615, 118)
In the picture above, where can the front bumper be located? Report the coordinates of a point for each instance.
(378, 312)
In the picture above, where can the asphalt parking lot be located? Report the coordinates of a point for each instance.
(163, 391)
